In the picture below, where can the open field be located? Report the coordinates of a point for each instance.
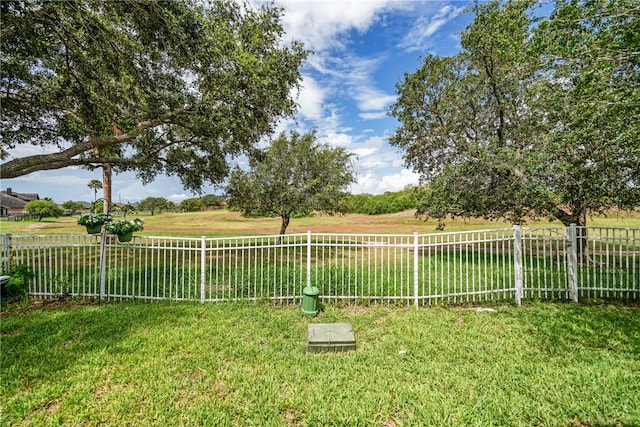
(225, 223)
(236, 364)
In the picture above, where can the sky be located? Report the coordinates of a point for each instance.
(361, 51)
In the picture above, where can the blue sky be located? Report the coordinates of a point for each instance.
(361, 48)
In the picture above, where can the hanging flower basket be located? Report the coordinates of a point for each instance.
(94, 229)
(94, 221)
(125, 237)
(124, 228)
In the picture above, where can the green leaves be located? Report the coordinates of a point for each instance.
(172, 86)
(43, 208)
(535, 117)
(295, 175)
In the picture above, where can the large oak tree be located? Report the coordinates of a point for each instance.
(534, 117)
(155, 87)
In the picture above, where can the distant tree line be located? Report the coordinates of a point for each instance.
(153, 205)
(380, 204)
(367, 204)
(207, 202)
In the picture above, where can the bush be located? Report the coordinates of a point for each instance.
(18, 284)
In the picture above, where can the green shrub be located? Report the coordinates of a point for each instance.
(18, 285)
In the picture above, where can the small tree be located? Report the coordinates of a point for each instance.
(43, 208)
(191, 205)
(127, 209)
(212, 201)
(295, 175)
(152, 204)
(72, 207)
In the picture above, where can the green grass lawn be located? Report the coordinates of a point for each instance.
(223, 223)
(242, 364)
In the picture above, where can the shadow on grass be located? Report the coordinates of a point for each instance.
(47, 340)
(571, 327)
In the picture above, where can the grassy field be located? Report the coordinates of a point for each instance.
(233, 364)
(224, 223)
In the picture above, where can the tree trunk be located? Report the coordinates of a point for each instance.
(107, 171)
(582, 238)
(106, 187)
(582, 235)
(285, 224)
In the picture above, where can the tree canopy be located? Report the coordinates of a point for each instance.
(296, 175)
(154, 87)
(43, 208)
(153, 204)
(534, 117)
(72, 207)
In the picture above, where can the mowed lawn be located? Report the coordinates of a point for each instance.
(170, 364)
(222, 223)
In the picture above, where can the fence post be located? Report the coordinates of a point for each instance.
(572, 263)
(416, 287)
(517, 262)
(103, 256)
(308, 258)
(7, 259)
(203, 267)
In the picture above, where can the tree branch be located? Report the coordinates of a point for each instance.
(67, 157)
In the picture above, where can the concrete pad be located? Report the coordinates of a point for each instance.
(330, 337)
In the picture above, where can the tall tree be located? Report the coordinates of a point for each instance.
(591, 98)
(95, 185)
(295, 175)
(187, 86)
(503, 129)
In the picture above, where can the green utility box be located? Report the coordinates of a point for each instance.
(330, 337)
(310, 300)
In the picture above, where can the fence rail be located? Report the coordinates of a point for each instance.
(508, 264)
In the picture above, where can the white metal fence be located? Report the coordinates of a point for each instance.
(474, 266)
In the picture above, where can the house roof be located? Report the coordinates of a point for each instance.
(13, 200)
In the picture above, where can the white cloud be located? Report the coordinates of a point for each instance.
(426, 26)
(60, 178)
(373, 164)
(126, 189)
(398, 162)
(317, 23)
(373, 116)
(60, 185)
(373, 183)
(337, 139)
(364, 151)
(177, 198)
(311, 98)
(371, 99)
